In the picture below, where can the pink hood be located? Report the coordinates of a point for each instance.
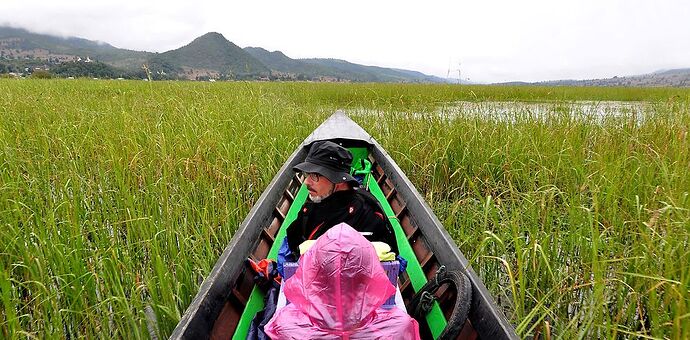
(337, 292)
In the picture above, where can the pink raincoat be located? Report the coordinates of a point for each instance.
(337, 293)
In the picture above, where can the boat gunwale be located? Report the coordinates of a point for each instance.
(423, 217)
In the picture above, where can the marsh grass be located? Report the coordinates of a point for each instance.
(578, 223)
(116, 198)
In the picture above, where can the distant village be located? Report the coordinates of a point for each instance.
(40, 63)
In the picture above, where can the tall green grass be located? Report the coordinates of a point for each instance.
(116, 198)
(580, 224)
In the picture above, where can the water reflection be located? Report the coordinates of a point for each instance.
(511, 111)
(593, 111)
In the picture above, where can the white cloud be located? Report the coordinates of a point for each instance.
(492, 40)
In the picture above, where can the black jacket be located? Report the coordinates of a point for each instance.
(357, 207)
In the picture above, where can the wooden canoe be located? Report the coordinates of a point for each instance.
(228, 298)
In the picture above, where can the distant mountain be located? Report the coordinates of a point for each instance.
(17, 43)
(336, 69)
(279, 62)
(213, 52)
(342, 68)
(210, 56)
(661, 78)
(678, 71)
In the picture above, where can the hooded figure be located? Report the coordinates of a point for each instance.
(337, 293)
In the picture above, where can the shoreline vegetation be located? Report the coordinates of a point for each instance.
(117, 197)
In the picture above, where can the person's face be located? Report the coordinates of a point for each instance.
(319, 186)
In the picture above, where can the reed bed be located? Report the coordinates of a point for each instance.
(117, 197)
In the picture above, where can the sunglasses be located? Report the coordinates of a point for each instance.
(313, 176)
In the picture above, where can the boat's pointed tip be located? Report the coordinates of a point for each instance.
(338, 113)
(338, 126)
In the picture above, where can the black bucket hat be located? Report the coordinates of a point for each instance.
(330, 160)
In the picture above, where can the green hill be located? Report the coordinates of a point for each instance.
(212, 51)
(209, 56)
(42, 46)
(346, 69)
(277, 61)
(335, 68)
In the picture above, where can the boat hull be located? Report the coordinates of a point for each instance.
(216, 311)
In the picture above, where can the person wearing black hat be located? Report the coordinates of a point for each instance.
(334, 197)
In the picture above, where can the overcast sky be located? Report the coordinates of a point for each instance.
(489, 41)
